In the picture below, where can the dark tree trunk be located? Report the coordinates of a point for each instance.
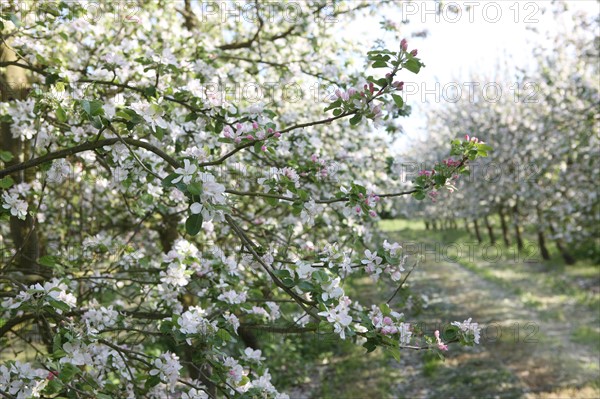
(542, 245)
(517, 228)
(426, 225)
(504, 228)
(489, 229)
(15, 86)
(477, 234)
(568, 258)
(540, 234)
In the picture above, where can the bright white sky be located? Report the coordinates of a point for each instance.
(458, 44)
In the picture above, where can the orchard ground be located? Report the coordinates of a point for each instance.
(541, 335)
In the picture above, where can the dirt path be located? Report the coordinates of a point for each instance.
(523, 351)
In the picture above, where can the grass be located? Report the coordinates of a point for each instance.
(588, 336)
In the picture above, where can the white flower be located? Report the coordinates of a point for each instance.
(176, 275)
(232, 297)
(372, 263)
(152, 113)
(196, 208)
(332, 290)
(304, 269)
(253, 355)
(233, 320)
(194, 393)
(186, 173)
(193, 322)
(211, 190)
(405, 333)
(309, 212)
(17, 206)
(98, 319)
(469, 327)
(77, 354)
(339, 317)
(167, 367)
(236, 372)
(58, 171)
(393, 248)
(274, 311)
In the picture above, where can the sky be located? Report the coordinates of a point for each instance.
(475, 39)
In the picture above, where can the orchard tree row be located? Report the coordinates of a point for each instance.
(543, 173)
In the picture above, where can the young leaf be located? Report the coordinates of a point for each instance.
(193, 224)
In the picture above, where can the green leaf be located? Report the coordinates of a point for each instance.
(380, 64)
(355, 119)
(168, 181)
(61, 114)
(6, 182)
(224, 335)
(282, 273)
(152, 382)
(336, 104)
(288, 282)
(194, 188)
(271, 201)
(370, 345)
(413, 65)
(68, 372)
(59, 305)
(92, 108)
(193, 224)
(306, 286)
(398, 100)
(395, 352)
(48, 261)
(337, 112)
(419, 195)
(6, 156)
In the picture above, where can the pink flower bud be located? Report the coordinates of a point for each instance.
(372, 214)
(269, 130)
(387, 320)
(314, 157)
(263, 148)
(277, 135)
(414, 53)
(255, 125)
(250, 137)
(398, 85)
(404, 44)
(467, 137)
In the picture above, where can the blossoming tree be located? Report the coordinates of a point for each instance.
(154, 218)
(544, 169)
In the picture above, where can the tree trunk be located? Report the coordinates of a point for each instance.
(517, 228)
(568, 258)
(15, 86)
(504, 228)
(542, 245)
(489, 229)
(477, 234)
(426, 225)
(540, 234)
